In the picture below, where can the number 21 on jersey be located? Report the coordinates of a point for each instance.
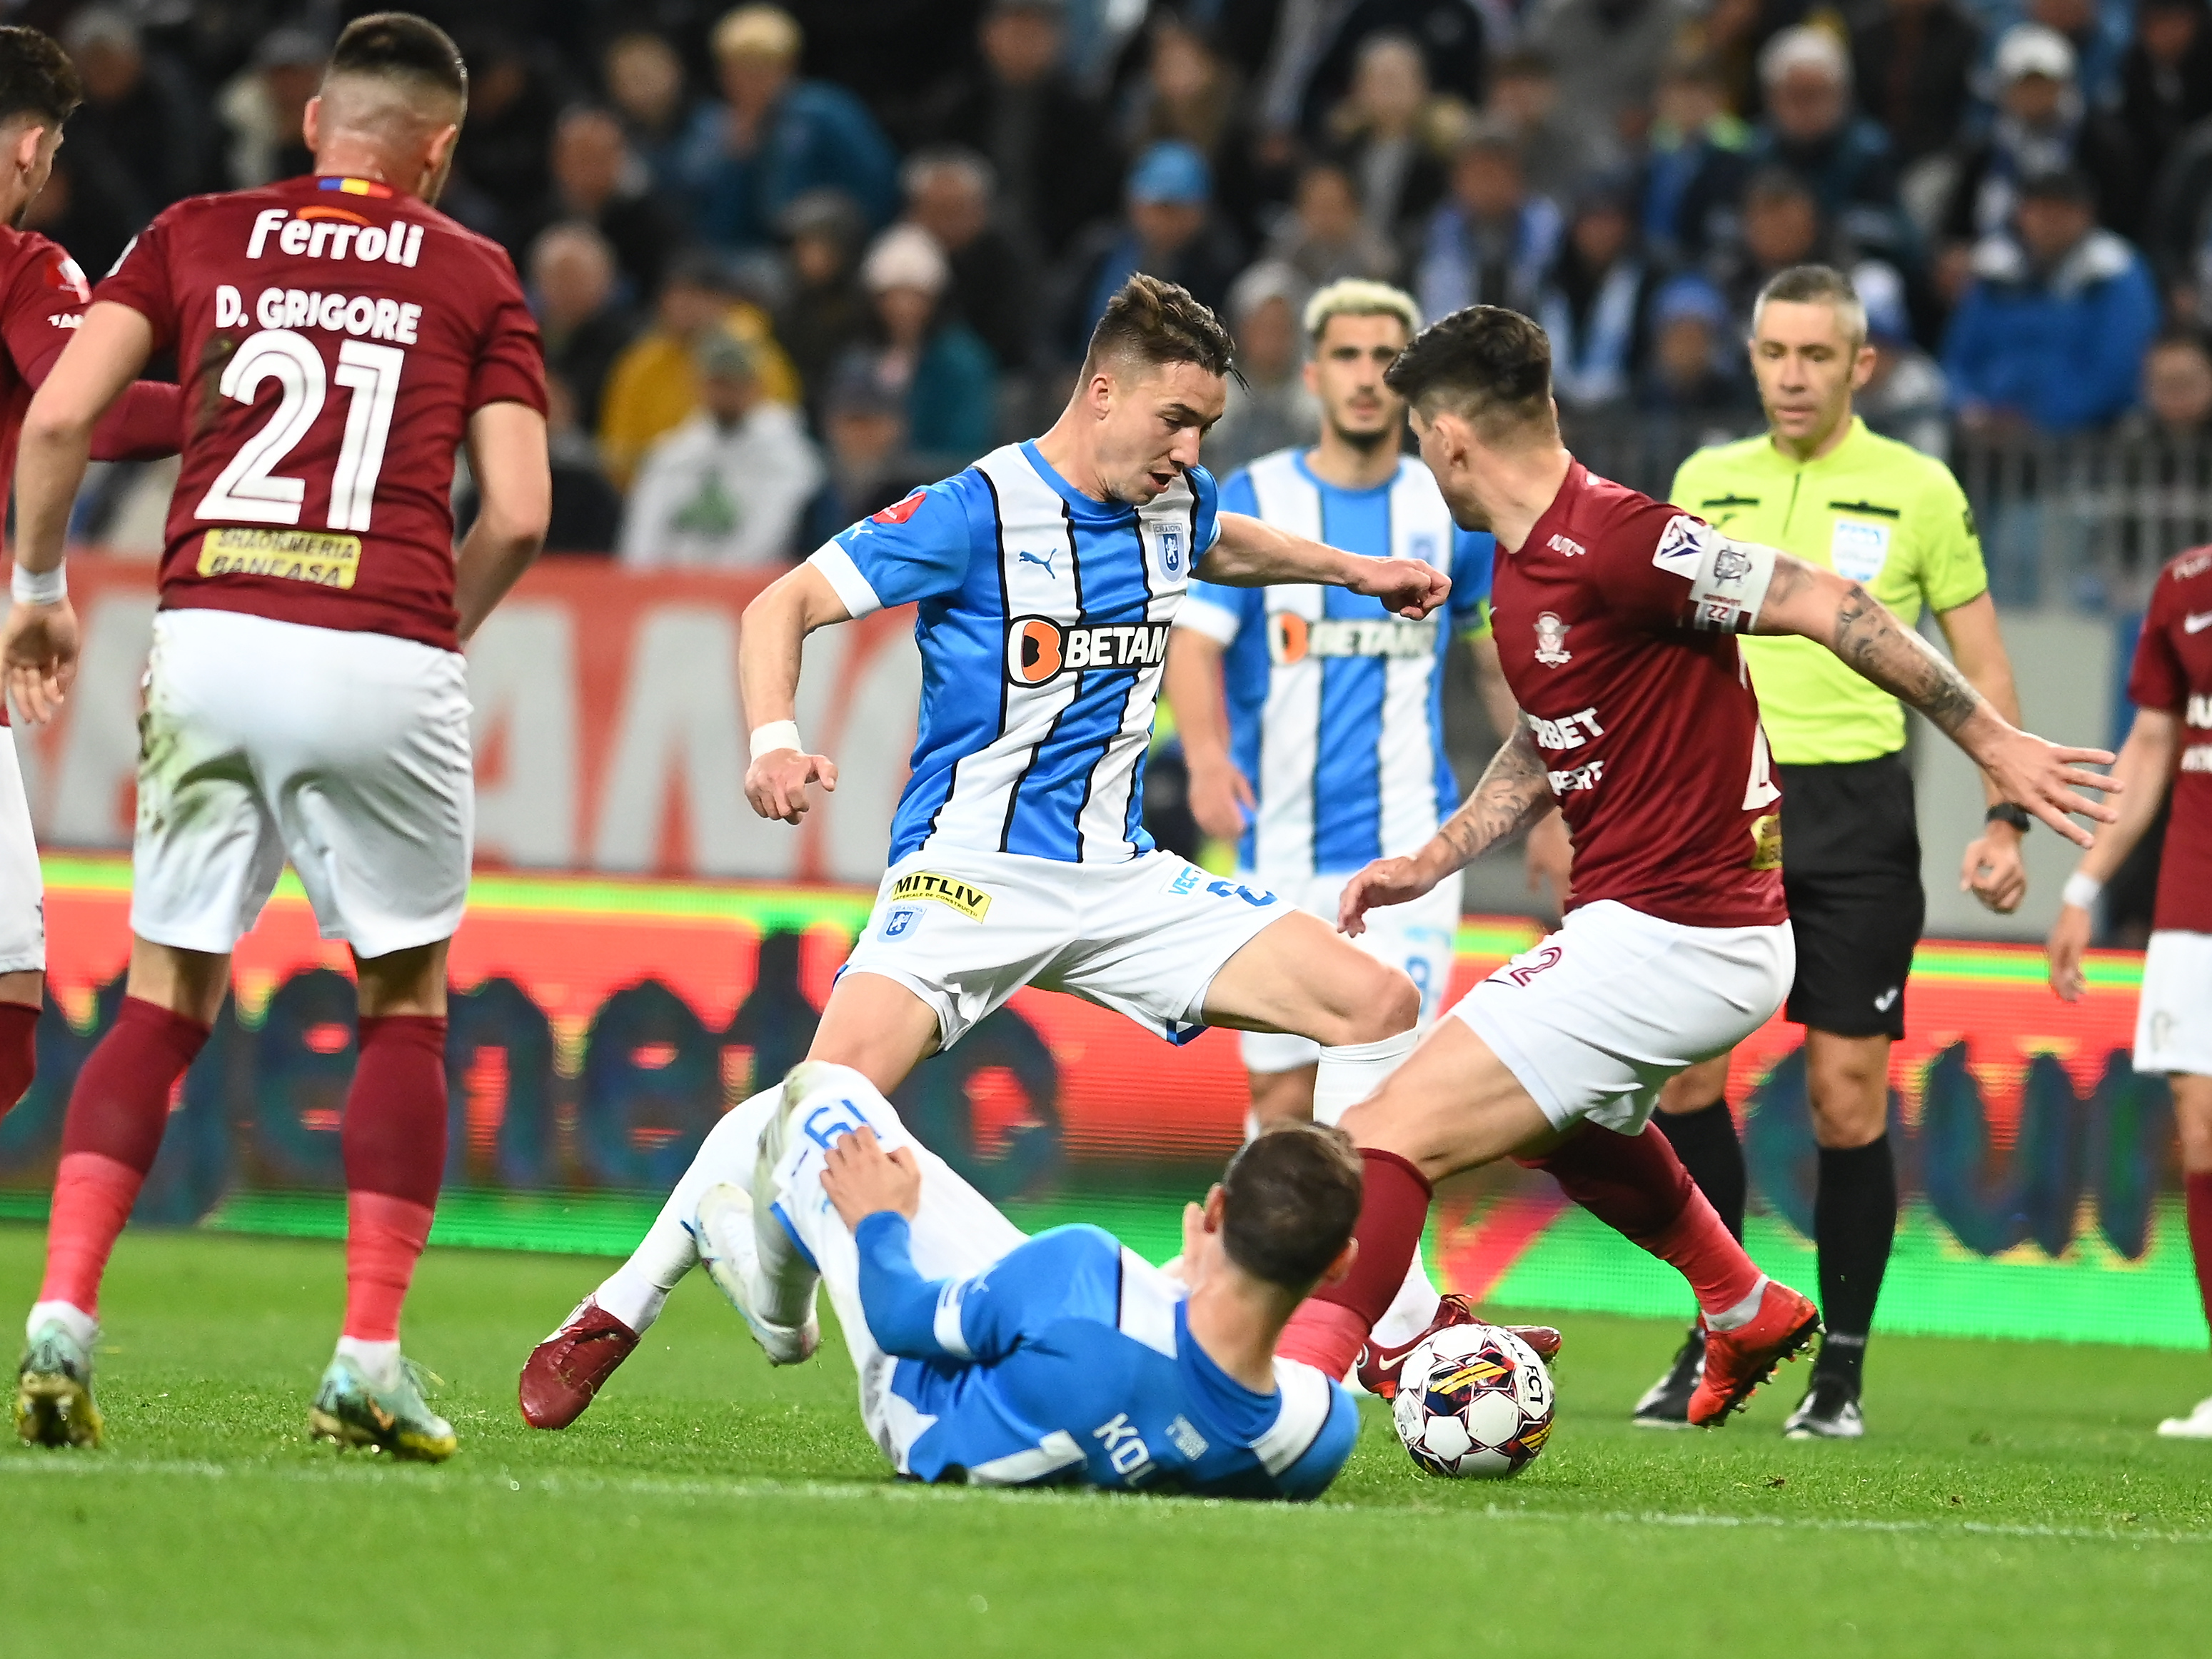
(250, 491)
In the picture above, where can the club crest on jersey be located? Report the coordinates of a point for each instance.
(1169, 537)
(1040, 650)
(1552, 640)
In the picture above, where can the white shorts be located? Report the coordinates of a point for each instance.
(1419, 937)
(347, 753)
(2174, 1021)
(956, 1234)
(1595, 1019)
(964, 931)
(22, 888)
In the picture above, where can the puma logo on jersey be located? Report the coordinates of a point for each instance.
(321, 233)
(1040, 650)
(970, 902)
(2197, 622)
(1044, 559)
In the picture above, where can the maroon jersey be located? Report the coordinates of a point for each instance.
(2173, 672)
(1615, 624)
(333, 338)
(42, 300)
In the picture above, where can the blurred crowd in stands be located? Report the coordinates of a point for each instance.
(790, 261)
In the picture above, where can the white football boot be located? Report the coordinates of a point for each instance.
(2197, 1426)
(723, 1225)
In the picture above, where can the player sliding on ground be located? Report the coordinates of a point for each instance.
(990, 1357)
(307, 696)
(1047, 575)
(1615, 617)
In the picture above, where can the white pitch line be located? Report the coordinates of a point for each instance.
(557, 1483)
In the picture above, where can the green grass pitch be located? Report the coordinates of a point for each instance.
(2011, 1501)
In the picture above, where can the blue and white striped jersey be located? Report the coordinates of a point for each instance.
(1070, 1359)
(1043, 620)
(1335, 706)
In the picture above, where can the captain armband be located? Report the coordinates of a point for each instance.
(1728, 578)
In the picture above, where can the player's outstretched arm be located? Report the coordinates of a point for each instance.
(39, 649)
(1251, 553)
(775, 627)
(2143, 771)
(1514, 792)
(515, 481)
(1818, 604)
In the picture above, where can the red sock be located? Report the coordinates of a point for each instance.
(1330, 1325)
(394, 1143)
(2197, 1184)
(1636, 1186)
(117, 1112)
(19, 1051)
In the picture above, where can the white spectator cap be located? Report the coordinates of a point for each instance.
(905, 256)
(2031, 49)
(1805, 46)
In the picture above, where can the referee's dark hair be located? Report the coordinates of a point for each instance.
(37, 79)
(397, 46)
(1491, 366)
(1289, 1202)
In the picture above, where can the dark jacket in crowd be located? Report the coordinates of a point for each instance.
(1058, 169)
(1909, 65)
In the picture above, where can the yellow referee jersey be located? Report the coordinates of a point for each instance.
(1872, 510)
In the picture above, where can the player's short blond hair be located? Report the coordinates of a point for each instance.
(758, 32)
(1356, 296)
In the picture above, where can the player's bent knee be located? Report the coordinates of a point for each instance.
(1383, 1003)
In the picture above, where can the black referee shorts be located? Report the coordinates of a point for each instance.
(1850, 868)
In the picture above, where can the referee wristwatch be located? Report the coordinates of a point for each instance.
(2009, 812)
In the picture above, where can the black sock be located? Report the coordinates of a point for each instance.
(1854, 1220)
(1704, 1139)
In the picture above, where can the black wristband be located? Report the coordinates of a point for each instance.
(2006, 812)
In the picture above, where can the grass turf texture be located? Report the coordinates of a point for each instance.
(2011, 1500)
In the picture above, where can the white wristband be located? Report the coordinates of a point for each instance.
(40, 586)
(774, 735)
(2081, 889)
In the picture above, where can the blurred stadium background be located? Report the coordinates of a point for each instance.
(790, 262)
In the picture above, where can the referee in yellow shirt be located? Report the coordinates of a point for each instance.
(1820, 485)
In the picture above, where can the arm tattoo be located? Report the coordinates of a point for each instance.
(1873, 643)
(1515, 790)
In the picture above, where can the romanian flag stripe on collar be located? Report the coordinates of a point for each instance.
(354, 186)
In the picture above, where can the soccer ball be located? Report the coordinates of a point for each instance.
(1475, 1403)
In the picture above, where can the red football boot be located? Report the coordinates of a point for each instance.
(565, 1371)
(1378, 1369)
(1738, 1361)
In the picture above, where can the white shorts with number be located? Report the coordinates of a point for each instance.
(1418, 938)
(2174, 1021)
(1595, 1019)
(346, 753)
(23, 889)
(955, 1233)
(964, 931)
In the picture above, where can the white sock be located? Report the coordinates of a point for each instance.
(73, 1319)
(1735, 1318)
(379, 1361)
(635, 1292)
(1352, 1071)
(1411, 1311)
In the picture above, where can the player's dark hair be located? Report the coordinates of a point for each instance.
(1489, 364)
(397, 46)
(1290, 1200)
(1155, 322)
(36, 77)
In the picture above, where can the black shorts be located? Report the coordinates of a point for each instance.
(1850, 869)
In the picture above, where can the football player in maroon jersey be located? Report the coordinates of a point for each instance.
(306, 699)
(1615, 617)
(42, 298)
(2171, 744)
